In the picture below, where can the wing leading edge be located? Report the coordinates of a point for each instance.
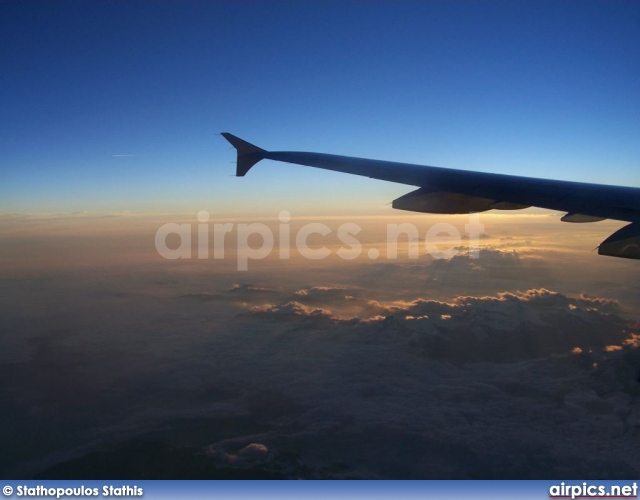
(444, 190)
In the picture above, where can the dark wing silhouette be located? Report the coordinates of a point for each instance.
(453, 191)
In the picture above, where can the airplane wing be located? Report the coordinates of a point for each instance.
(452, 191)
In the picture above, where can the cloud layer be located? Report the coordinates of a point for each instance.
(522, 363)
(526, 384)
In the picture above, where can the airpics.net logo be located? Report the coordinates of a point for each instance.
(441, 240)
(586, 490)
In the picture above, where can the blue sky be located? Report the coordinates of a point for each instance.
(543, 89)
